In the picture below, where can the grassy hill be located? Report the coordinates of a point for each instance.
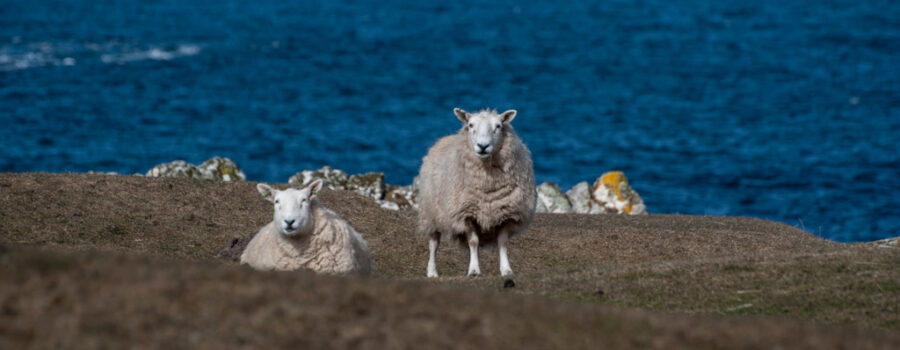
(116, 261)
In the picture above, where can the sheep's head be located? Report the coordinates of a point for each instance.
(293, 207)
(485, 129)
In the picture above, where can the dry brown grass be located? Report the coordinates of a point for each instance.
(122, 260)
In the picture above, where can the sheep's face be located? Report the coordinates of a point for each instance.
(485, 129)
(293, 207)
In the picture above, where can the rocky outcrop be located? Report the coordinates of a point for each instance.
(371, 185)
(610, 194)
(216, 168)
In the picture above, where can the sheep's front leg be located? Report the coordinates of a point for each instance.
(502, 240)
(474, 269)
(433, 243)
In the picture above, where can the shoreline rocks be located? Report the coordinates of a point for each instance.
(370, 185)
(610, 193)
(215, 168)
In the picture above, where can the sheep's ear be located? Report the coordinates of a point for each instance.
(508, 116)
(314, 188)
(462, 115)
(267, 192)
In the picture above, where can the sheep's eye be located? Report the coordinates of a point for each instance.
(303, 200)
(470, 125)
(497, 126)
(277, 201)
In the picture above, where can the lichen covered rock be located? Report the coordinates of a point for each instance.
(611, 190)
(216, 168)
(582, 200)
(176, 168)
(223, 169)
(552, 200)
(334, 179)
(369, 184)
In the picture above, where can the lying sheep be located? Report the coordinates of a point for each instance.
(304, 234)
(477, 186)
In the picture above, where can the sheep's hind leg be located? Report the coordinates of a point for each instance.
(474, 269)
(433, 242)
(502, 240)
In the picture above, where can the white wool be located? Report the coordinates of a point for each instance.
(477, 186)
(305, 235)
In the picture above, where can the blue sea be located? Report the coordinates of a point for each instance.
(786, 110)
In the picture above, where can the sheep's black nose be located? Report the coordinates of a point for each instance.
(289, 222)
(483, 147)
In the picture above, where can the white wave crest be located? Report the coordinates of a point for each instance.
(19, 56)
(155, 53)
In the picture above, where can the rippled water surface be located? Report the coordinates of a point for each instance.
(785, 110)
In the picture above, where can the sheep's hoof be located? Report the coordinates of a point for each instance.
(474, 273)
(432, 274)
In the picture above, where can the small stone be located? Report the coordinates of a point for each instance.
(509, 283)
(388, 205)
(611, 190)
(553, 199)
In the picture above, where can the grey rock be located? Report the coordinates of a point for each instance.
(580, 197)
(553, 199)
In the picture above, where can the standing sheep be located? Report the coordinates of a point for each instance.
(305, 234)
(477, 186)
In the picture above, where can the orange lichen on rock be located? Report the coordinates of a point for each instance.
(612, 190)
